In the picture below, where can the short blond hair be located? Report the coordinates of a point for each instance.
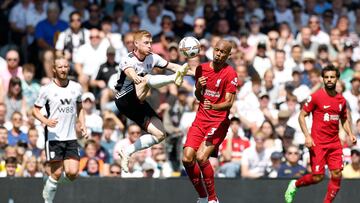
(140, 34)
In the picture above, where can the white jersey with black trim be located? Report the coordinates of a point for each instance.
(60, 103)
(142, 67)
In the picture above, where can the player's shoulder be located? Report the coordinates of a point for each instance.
(74, 85)
(229, 69)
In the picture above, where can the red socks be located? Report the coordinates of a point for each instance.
(333, 188)
(194, 174)
(305, 181)
(208, 176)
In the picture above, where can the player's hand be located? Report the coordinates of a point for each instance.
(138, 79)
(84, 133)
(353, 139)
(201, 82)
(51, 123)
(309, 142)
(207, 104)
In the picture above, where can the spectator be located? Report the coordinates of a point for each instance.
(10, 166)
(148, 170)
(134, 23)
(73, 37)
(92, 168)
(12, 68)
(107, 143)
(30, 167)
(17, 20)
(152, 20)
(115, 170)
(291, 168)
(15, 135)
(3, 120)
(352, 96)
(32, 17)
(129, 41)
(282, 12)
(3, 140)
(255, 159)
(304, 39)
(106, 71)
(46, 30)
(14, 100)
(78, 6)
(317, 35)
(232, 149)
(89, 58)
(90, 153)
(94, 20)
(30, 88)
(32, 148)
(119, 25)
(352, 170)
(180, 27)
(271, 171)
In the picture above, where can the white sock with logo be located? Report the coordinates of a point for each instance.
(144, 142)
(49, 190)
(157, 81)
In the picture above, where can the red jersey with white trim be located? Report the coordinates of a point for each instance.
(327, 111)
(217, 85)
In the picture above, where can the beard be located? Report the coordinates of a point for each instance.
(330, 86)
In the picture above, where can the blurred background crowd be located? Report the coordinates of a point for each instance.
(279, 49)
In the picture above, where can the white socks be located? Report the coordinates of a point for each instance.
(157, 81)
(50, 190)
(145, 141)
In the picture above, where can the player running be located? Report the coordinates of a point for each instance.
(327, 108)
(62, 101)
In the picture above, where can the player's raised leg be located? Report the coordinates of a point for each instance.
(308, 179)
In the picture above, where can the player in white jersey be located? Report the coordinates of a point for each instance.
(134, 82)
(61, 99)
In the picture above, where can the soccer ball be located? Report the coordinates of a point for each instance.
(189, 47)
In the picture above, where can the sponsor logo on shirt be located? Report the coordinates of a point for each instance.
(211, 93)
(328, 117)
(65, 106)
(234, 81)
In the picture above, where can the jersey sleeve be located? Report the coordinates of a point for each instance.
(126, 63)
(232, 82)
(310, 104)
(42, 97)
(159, 61)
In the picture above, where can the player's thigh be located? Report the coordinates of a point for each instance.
(205, 150)
(189, 155)
(335, 159)
(155, 126)
(216, 134)
(71, 157)
(195, 137)
(317, 160)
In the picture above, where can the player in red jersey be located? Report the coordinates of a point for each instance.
(216, 84)
(327, 108)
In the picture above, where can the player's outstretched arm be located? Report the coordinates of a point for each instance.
(38, 115)
(81, 118)
(308, 139)
(223, 106)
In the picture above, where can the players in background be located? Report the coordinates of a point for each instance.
(327, 108)
(216, 84)
(62, 101)
(133, 84)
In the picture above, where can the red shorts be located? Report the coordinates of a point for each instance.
(213, 132)
(332, 156)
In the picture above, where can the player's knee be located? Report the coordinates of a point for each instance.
(201, 158)
(336, 174)
(318, 178)
(188, 160)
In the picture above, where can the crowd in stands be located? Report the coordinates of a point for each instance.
(279, 49)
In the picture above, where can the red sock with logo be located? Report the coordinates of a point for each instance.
(305, 181)
(208, 176)
(194, 174)
(333, 189)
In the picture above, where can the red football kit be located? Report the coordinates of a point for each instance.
(212, 125)
(327, 111)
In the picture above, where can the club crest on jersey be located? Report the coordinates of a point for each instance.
(218, 83)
